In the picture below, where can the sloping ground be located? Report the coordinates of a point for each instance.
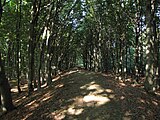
(83, 95)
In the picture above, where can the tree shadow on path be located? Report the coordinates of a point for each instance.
(83, 95)
(93, 96)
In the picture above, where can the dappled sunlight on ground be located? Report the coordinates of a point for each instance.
(63, 74)
(83, 95)
(97, 100)
(94, 93)
(14, 89)
(27, 116)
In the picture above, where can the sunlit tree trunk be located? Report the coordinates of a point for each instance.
(156, 56)
(150, 53)
(137, 30)
(141, 54)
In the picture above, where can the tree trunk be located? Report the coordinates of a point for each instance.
(120, 59)
(117, 60)
(126, 60)
(9, 71)
(150, 55)
(6, 98)
(5, 93)
(40, 64)
(31, 68)
(18, 25)
(137, 29)
(32, 41)
(49, 70)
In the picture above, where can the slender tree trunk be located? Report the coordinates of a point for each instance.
(156, 62)
(39, 71)
(130, 62)
(113, 63)
(49, 70)
(126, 60)
(32, 42)
(49, 58)
(18, 25)
(137, 29)
(117, 59)
(40, 65)
(31, 68)
(137, 56)
(158, 58)
(85, 60)
(9, 71)
(141, 57)
(120, 58)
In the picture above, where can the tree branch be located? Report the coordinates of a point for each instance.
(4, 2)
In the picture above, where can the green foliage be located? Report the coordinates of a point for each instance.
(95, 30)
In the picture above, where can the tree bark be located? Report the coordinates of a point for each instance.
(6, 98)
(5, 93)
(150, 55)
(32, 42)
(18, 25)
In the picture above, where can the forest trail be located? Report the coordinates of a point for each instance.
(83, 95)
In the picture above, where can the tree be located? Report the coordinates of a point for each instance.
(151, 66)
(6, 98)
(51, 36)
(32, 42)
(18, 26)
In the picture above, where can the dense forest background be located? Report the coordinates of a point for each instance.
(41, 38)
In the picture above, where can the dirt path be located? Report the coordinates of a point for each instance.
(83, 95)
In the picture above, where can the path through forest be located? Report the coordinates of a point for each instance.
(83, 95)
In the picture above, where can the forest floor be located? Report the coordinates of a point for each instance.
(83, 95)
